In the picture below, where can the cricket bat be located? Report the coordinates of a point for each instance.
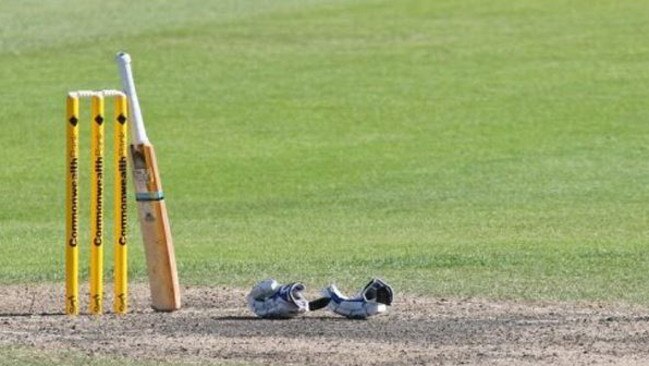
(152, 211)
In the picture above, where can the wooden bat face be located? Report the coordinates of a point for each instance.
(156, 233)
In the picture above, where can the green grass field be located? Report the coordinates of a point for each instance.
(456, 148)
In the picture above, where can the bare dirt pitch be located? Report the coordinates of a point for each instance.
(215, 327)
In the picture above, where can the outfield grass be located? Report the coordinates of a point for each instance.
(456, 148)
(31, 357)
(26, 356)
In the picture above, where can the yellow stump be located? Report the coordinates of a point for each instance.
(72, 207)
(120, 303)
(96, 205)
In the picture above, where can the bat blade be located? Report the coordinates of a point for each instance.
(156, 232)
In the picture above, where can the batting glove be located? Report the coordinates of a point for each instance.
(373, 299)
(271, 300)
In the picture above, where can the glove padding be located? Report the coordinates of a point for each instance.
(372, 300)
(271, 300)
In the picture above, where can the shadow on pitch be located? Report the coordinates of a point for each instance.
(298, 318)
(26, 315)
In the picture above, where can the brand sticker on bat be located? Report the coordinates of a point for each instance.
(149, 217)
(141, 178)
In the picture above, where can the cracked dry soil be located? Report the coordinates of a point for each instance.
(214, 326)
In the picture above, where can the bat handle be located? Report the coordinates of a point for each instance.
(138, 132)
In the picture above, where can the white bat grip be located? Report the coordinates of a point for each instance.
(138, 133)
